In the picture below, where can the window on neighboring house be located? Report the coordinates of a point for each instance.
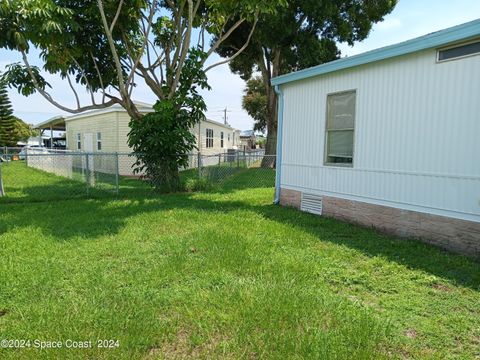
(99, 141)
(233, 139)
(228, 137)
(340, 124)
(209, 138)
(459, 51)
(221, 139)
(79, 141)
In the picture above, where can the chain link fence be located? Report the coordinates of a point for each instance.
(39, 174)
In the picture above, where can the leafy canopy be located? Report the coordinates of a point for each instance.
(254, 102)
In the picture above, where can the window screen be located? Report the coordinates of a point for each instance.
(340, 128)
(459, 51)
(209, 138)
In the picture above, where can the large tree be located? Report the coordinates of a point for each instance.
(302, 34)
(109, 46)
(7, 120)
(254, 102)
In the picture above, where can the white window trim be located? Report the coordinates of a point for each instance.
(209, 139)
(437, 58)
(325, 157)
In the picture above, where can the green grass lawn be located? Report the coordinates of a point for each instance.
(222, 274)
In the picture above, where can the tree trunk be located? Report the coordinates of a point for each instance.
(272, 114)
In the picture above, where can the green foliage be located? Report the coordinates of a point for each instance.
(70, 37)
(254, 102)
(7, 120)
(163, 137)
(197, 184)
(22, 131)
(18, 77)
(300, 35)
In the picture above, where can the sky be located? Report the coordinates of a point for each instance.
(409, 19)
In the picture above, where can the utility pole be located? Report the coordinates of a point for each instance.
(225, 115)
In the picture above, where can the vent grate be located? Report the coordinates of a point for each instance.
(311, 203)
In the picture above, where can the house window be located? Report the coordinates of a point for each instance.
(79, 141)
(209, 138)
(99, 141)
(221, 139)
(340, 125)
(459, 51)
(228, 137)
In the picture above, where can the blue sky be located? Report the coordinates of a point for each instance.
(411, 18)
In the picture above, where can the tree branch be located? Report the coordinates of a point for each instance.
(49, 98)
(74, 91)
(117, 14)
(238, 52)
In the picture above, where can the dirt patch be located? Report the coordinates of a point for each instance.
(411, 333)
(182, 348)
(441, 287)
(3, 312)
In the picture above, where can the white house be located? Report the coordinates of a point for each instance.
(389, 138)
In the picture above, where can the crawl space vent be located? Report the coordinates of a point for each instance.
(311, 203)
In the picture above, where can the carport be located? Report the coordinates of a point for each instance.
(56, 123)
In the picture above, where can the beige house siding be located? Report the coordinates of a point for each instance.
(114, 129)
(230, 137)
(106, 124)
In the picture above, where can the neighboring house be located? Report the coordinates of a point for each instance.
(389, 138)
(248, 140)
(106, 131)
(215, 138)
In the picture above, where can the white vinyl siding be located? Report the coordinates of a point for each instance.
(339, 131)
(416, 135)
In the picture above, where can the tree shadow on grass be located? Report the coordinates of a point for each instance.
(90, 219)
(411, 253)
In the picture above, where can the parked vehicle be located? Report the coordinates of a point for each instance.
(33, 148)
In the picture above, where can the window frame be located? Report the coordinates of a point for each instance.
(453, 46)
(221, 139)
(209, 139)
(325, 145)
(99, 141)
(79, 141)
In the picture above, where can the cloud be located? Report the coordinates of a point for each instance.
(389, 24)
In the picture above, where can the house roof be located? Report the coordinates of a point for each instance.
(457, 33)
(141, 106)
(55, 123)
(218, 123)
(58, 122)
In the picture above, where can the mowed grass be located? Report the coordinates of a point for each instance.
(224, 274)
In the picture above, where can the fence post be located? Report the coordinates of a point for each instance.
(2, 191)
(117, 175)
(238, 160)
(87, 173)
(199, 160)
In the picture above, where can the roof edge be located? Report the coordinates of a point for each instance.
(443, 37)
